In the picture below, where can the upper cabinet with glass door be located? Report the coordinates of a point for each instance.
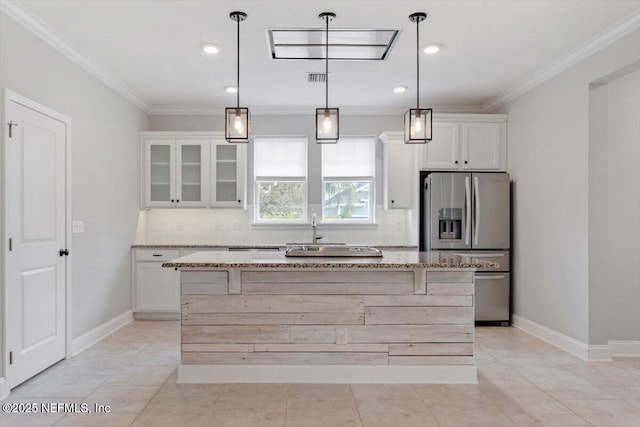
(175, 173)
(228, 184)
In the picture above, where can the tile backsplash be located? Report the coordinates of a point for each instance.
(233, 226)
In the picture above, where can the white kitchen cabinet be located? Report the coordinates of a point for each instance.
(443, 151)
(156, 290)
(481, 146)
(175, 172)
(470, 142)
(228, 166)
(400, 172)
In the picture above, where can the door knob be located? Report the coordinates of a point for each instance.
(64, 252)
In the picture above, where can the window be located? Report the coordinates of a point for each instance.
(348, 177)
(280, 171)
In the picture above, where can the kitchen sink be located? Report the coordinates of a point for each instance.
(332, 251)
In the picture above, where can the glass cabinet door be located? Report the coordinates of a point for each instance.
(192, 173)
(227, 179)
(159, 188)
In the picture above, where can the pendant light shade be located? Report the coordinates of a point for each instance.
(418, 121)
(327, 119)
(237, 124)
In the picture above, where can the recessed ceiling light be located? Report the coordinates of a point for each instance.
(230, 89)
(432, 48)
(400, 89)
(211, 49)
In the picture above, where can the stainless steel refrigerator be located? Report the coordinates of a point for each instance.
(469, 214)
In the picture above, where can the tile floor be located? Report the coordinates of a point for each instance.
(522, 382)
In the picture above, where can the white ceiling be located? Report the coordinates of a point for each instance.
(152, 47)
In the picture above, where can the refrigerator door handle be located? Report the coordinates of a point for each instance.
(480, 255)
(467, 199)
(496, 277)
(476, 226)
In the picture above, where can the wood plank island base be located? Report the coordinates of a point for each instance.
(407, 317)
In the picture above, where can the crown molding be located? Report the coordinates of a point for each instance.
(25, 18)
(591, 46)
(308, 110)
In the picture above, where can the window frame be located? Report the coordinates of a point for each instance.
(370, 179)
(304, 179)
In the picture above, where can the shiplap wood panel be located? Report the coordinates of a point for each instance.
(227, 348)
(236, 334)
(213, 277)
(434, 349)
(272, 304)
(312, 334)
(449, 289)
(328, 288)
(273, 319)
(419, 300)
(418, 315)
(398, 277)
(270, 358)
(430, 360)
(449, 277)
(327, 348)
(204, 289)
(409, 333)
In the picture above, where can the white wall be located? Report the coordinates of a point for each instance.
(548, 158)
(104, 168)
(623, 207)
(396, 227)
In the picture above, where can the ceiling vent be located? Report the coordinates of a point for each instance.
(353, 45)
(316, 77)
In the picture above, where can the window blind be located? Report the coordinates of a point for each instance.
(280, 157)
(350, 157)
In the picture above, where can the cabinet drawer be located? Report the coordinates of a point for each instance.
(157, 254)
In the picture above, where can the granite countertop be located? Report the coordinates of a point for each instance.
(390, 259)
(259, 246)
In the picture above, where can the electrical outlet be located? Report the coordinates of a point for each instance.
(179, 226)
(77, 226)
(218, 226)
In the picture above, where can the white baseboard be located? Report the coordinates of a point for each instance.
(4, 389)
(630, 348)
(566, 343)
(333, 374)
(91, 337)
(599, 352)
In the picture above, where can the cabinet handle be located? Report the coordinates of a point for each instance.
(239, 200)
(456, 162)
(178, 201)
(393, 201)
(172, 200)
(157, 255)
(466, 162)
(64, 252)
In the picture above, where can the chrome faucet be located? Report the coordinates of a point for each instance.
(315, 231)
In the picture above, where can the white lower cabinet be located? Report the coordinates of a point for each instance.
(156, 290)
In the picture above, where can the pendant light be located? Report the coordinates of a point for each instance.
(327, 119)
(237, 124)
(417, 121)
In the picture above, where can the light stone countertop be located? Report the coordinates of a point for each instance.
(257, 246)
(390, 259)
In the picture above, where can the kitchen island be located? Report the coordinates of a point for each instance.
(407, 317)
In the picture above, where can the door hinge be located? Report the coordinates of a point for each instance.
(10, 244)
(11, 125)
(11, 358)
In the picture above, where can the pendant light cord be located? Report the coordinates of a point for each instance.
(238, 65)
(326, 62)
(417, 63)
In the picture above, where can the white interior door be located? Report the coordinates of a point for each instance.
(36, 276)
